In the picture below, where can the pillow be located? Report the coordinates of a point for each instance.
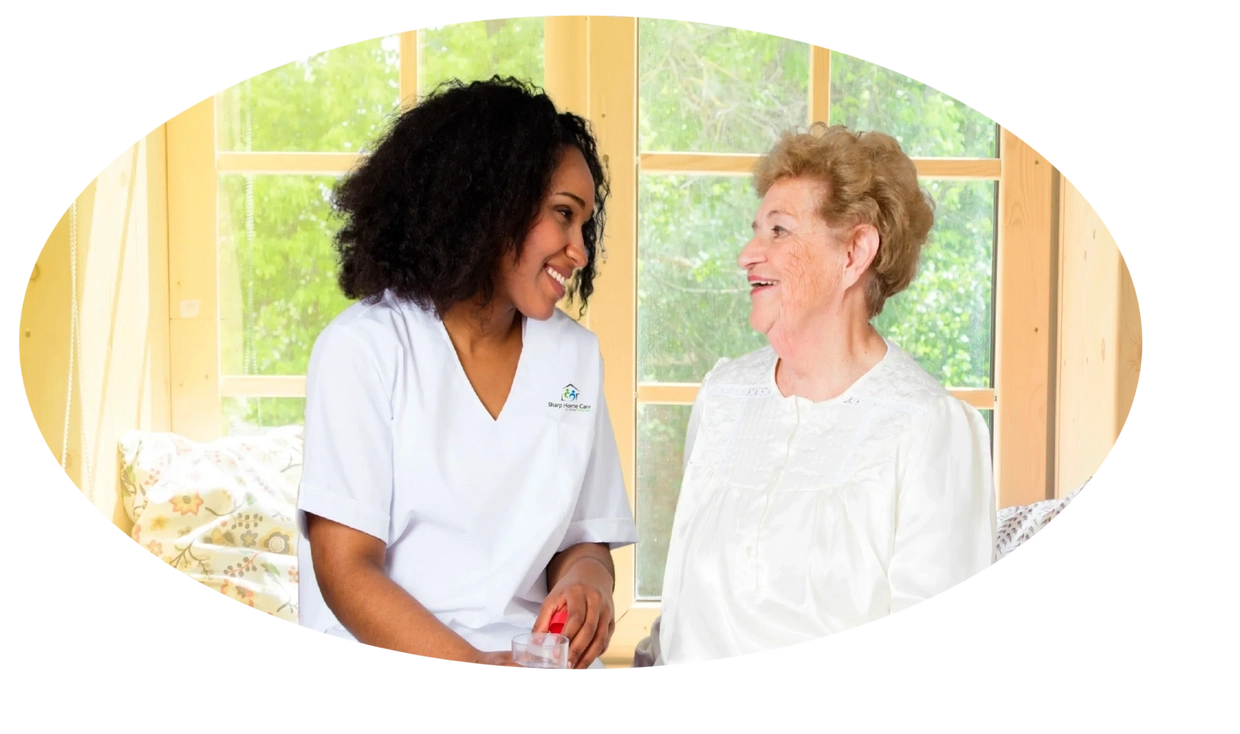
(1019, 524)
(224, 512)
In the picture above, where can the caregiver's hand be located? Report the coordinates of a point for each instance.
(582, 580)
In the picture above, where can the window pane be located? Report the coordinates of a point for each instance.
(277, 271)
(944, 317)
(252, 416)
(478, 50)
(660, 463)
(692, 299)
(713, 89)
(336, 101)
(866, 96)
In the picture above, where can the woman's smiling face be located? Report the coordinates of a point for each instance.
(793, 261)
(554, 247)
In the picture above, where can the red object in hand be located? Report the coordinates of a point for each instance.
(556, 625)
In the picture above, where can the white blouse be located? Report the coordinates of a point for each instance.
(797, 519)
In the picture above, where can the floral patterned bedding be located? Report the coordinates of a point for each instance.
(223, 513)
(1019, 524)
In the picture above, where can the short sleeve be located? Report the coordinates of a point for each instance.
(602, 514)
(347, 471)
(945, 511)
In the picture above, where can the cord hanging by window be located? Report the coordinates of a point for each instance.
(75, 361)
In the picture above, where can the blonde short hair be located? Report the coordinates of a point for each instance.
(869, 180)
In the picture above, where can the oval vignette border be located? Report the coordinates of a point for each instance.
(802, 36)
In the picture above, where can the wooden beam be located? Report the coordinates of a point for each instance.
(408, 69)
(819, 85)
(324, 164)
(741, 164)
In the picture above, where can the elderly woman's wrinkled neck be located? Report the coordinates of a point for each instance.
(824, 365)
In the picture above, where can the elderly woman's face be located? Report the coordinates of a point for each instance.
(793, 261)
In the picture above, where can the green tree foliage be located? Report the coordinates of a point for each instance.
(701, 89)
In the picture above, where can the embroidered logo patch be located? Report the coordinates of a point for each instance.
(570, 399)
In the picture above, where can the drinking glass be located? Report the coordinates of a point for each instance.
(540, 650)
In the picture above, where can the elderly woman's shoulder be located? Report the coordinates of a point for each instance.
(907, 381)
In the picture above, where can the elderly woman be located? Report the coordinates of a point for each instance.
(829, 480)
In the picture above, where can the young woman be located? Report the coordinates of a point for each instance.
(461, 478)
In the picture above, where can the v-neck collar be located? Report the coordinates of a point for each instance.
(517, 378)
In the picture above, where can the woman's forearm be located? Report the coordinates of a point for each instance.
(591, 560)
(378, 612)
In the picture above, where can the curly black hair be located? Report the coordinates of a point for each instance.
(453, 187)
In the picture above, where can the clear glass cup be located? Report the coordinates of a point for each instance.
(540, 650)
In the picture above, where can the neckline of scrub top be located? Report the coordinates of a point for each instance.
(516, 378)
(805, 402)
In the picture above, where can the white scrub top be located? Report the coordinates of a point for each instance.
(797, 519)
(398, 446)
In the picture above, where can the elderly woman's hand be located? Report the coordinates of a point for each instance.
(583, 583)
